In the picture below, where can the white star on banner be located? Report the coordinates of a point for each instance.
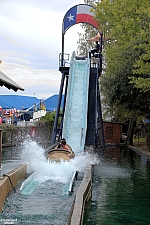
(70, 17)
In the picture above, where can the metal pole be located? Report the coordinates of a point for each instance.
(0, 151)
(101, 121)
(99, 99)
(62, 57)
(58, 107)
(101, 48)
(64, 104)
(101, 42)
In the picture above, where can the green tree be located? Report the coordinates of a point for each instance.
(141, 71)
(126, 54)
(115, 82)
(126, 23)
(49, 117)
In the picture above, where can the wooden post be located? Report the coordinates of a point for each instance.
(0, 151)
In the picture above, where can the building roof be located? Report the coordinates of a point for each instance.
(26, 102)
(51, 102)
(17, 101)
(8, 83)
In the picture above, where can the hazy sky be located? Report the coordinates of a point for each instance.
(30, 43)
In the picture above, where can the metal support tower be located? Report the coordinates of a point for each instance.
(58, 123)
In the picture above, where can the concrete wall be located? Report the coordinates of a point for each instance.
(15, 175)
(83, 196)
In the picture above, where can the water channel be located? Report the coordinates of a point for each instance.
(121, 190)
(46, 201)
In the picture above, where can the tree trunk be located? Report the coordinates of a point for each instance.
(132, 124)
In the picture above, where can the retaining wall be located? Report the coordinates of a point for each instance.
(140, 151)
(82, 197)
(15, 176)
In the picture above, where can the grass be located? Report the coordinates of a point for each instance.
(141, 142)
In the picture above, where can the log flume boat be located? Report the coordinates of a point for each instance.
(58, 154)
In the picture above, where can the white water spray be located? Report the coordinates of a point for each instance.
(33, 155)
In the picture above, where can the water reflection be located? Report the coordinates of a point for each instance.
(121, 190)
(112, 153)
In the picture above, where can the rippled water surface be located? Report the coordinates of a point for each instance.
(45, 201)
(121, 190)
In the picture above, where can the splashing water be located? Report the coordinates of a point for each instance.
(33, 155)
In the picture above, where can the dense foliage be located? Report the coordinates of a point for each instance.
(49, 117)
(127, 54)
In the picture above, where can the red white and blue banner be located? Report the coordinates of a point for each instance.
(79, 14)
